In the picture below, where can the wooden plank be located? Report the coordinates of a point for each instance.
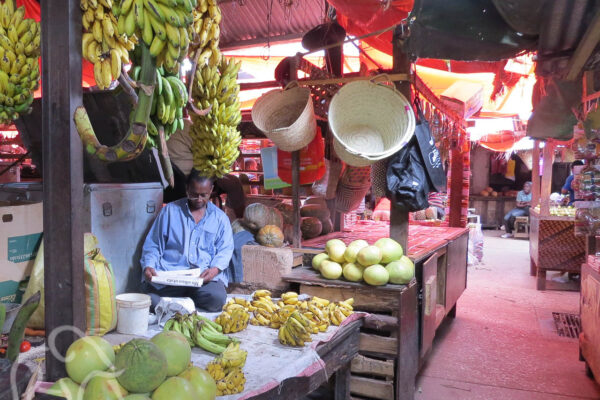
(381, 322)
(375, 344)
(399, 226)
(63, 176)
(456, 177)
(364, 299)
(546, 187)
(342, 383)
(371, 366)
(585, 48)
(535, 174)
(297, 235)
(408, 344)
(373, 388)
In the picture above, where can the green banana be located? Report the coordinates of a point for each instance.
(207, 345)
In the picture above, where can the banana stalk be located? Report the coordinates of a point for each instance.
(165, 160)
(135, 140)
(15, 336)
(2, 315)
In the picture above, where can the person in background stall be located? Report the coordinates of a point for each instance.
(190, 233)
(568, 186)
(522, 209)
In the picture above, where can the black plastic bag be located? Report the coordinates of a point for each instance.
(431, 155)
(407, 180)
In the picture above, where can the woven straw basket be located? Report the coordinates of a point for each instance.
(369, 122)
(286, 116)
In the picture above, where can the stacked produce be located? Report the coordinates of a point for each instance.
(295, 331)
(102, 43)
(315, 218)
(235, 316)
(19, 68)
(226, 370)
(377, 265)
(162, 25)
(158, 368)
(204, 33)
(200, 331)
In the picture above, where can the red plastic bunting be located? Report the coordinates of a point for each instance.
(501, 141)
(360, 17)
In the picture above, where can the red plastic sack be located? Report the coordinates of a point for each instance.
(312, 162)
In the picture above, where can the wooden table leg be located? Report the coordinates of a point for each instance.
(342, 383)
(541, 279)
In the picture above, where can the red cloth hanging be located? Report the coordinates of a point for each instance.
(33, 10)
(360, 17)
(500, 141)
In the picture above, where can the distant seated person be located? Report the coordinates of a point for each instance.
(568, 186)
(190, 233)
(522, 209)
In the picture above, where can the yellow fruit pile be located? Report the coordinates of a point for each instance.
(102, 44)
(204, 33)
(19, 68)
(234, 317)
(227, 372)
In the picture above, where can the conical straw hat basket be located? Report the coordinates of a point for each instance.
(286, 116)
(369, 122)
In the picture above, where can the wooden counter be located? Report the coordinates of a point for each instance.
(589, 338)
(492, 210)
(553, 246)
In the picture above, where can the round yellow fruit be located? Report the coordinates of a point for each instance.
(331, 269)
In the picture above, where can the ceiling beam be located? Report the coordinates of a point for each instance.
(585, 48)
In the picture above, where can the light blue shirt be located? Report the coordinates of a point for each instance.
(522, 196)
(176, 242)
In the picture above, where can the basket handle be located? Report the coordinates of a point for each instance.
(291, 85)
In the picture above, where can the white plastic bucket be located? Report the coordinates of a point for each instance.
(133, 310)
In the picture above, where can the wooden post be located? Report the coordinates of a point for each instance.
(399, 218)
(546, 179)
(297, 236)
(535, 174)
(63, 176)
(456, 178)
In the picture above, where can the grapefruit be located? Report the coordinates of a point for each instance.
(353, 272)
(64, 387)
(369, 255)
(353, 249)
(376, 275)
(175, 388)
(177, 350)
(87, 355)
(331, 269)
(143, 365)
(316, 261)
(336, 249)
(103, 388)
(390, 250)
(204, 384)
(401, 271)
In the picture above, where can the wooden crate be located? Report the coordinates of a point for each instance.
(389, 333)
(264, 266)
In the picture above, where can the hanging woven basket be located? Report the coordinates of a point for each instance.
(369, 122)
(286, 116)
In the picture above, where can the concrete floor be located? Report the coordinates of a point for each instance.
(503, 343)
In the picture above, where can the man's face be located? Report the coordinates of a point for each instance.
(199, 194)
(527, 188)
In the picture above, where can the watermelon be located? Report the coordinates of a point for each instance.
(144, 366)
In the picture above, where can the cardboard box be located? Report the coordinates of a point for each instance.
(465, 98)
(21, 227)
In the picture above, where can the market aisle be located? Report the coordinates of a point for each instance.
(503, 344)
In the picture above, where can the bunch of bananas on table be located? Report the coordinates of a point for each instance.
(339, 311)
(200, 331)
(227, 372)
(102, 44)
(161, 24)
(296, 330)
(170, 98)
(204, 33)
(234, 317)
(215, 137)
(19, 68)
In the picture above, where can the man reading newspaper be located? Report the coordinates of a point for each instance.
(190, 233)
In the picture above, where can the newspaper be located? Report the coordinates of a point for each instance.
(184, 277)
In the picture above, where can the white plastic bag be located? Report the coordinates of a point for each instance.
(476, 237)
(167, 307)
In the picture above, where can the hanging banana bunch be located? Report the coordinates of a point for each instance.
(161, 24)
(215, 137)
(102, 45)
(204, 33)
(19, 68)
(170, 98)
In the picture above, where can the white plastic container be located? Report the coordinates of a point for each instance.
(133, 310)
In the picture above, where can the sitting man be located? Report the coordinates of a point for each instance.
(190, 233)
(522, 209)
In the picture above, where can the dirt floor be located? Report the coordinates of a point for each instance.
(503, 343)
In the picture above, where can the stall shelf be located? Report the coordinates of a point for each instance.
(553, 246)
(492, 209)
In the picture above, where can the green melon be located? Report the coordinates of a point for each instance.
(176, 349)
(136, 396)
(103, 388)
(144, 366)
